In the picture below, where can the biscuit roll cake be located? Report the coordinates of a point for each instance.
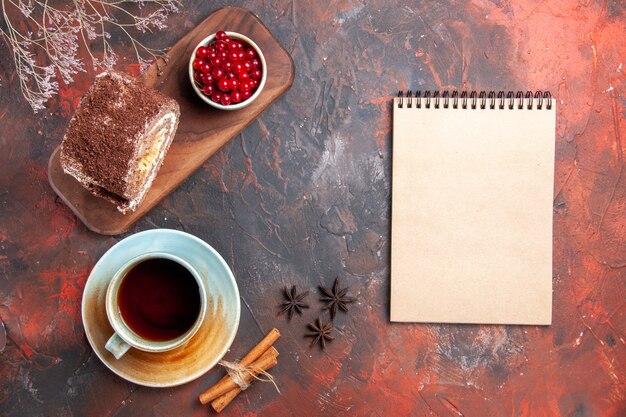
(117, 140)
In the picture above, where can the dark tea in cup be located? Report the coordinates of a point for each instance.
(155, 302)
(159, 299)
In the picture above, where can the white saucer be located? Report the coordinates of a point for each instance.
(208, 345)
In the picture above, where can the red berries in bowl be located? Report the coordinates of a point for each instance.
(227, 70)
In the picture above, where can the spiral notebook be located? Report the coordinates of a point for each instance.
(472, 192)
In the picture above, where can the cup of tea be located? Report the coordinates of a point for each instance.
(156, 302)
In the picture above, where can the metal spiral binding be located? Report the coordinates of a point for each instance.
(475, 99)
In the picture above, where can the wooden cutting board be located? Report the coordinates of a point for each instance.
(202, 130)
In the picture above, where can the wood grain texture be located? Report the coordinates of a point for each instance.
(202, 130)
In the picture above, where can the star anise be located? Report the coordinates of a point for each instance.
(335, 298)
(293, 302)
(320, 333)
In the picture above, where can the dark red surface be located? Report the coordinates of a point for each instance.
(303, 195)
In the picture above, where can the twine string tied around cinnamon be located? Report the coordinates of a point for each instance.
(238, 373)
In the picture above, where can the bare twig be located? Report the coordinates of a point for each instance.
(45, 38)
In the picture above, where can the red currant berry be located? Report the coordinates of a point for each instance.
(230, 75)
(236, 96)
(226, 99)
(248, 66)
(207, 78)
(243, 76)
(227, 66)
(239, 46)
(221, 46)
(253, 84)
(233, 56)
(232, 46)
(208, 90)
(241, 55)
(216, 62)
(223, 55)
(220, 35)
(197, 63)
(205, 68)
(244, 86)
(218, 73)
(238, 67)
(250, 53)
(227, 41)
(255, 63)
(223, 84)
(216, 96)
(211, 55)
(198, 77)
(256, 74)
(234, 83)
(246, 94)
(202, 52)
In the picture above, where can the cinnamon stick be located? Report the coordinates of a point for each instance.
(269, 357)
(222, 401)
(252, 356)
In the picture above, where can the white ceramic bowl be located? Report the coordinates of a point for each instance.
(236, 106)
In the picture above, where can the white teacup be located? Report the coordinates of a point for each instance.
(124, 337)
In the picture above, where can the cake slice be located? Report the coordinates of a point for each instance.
(117, 140)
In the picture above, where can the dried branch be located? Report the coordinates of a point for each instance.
(46, 39)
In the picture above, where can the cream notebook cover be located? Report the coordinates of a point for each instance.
(472, 192)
